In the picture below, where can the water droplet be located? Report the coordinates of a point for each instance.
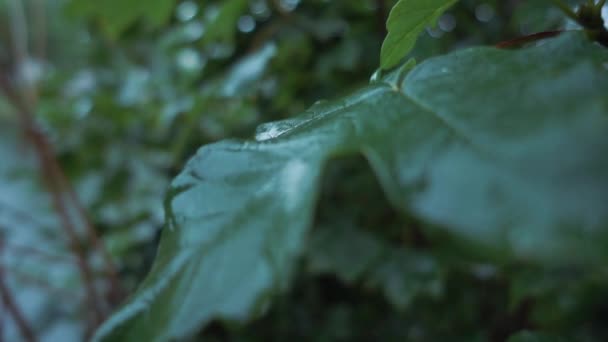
(376, 76)
(186, 10)
(272, 130)
(246, 24)
(447, 22)
(484, 13)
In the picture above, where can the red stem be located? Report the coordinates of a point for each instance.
(57, 184)
(528, 39)
(26, 331)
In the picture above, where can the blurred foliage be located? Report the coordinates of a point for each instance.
(128, 90)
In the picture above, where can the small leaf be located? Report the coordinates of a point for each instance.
(405, 22)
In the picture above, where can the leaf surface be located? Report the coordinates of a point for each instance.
(501, 151)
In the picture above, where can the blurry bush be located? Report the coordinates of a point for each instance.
(124, 91)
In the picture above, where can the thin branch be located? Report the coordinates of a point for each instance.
(527, 39)
(40, 30)
(51, 175)
(26, 331)
(116, 291)
(13, 310)
(1, 323)
(63, 196)
(45, 159)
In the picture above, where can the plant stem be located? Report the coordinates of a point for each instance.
(527, 39)
(23, 97)
(26, 331)
(51, 174)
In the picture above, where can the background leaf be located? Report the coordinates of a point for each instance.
(406, 21)
(115, 16)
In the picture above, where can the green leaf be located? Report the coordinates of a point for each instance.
(222, 28)
(346, 252)
(115, 16)
(354, 255)
(502, 151)
(405, 274)
(405, 22)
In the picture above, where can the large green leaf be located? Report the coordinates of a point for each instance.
(405, 22)
(502, 151)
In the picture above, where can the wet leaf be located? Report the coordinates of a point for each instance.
(503, 151)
